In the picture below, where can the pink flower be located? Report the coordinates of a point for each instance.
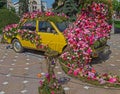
(53, 76)
(52, 92)
(112, 80)
(91, 75)
(70, 72)
(102, 81)
(41, 82)
(76, 72)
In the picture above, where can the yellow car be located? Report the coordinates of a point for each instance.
(50, 32)
(41, 32)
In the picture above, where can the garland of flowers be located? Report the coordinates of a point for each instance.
(13, 30)
(90, 28)
(10, 30)
(45, 16)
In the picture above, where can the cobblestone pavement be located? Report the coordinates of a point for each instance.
(18, 71)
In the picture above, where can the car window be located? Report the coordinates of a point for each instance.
(45, 26)
(62, 26)
(29, 25)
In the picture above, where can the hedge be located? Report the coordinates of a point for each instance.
(117, 24)
(7, 17)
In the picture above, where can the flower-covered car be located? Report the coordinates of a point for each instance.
(42, 30)
(37, 31)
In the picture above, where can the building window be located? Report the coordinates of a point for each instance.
(34, 5)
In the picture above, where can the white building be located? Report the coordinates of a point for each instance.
(9, 4)
(16, 6)
(33, 5)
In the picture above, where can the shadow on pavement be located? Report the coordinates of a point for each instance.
(102, 58)
(34, 52)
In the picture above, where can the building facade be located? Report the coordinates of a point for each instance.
(33, 5)
(9, 4)
(16, 6)
(37, 5)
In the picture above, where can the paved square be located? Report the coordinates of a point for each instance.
(18, 71)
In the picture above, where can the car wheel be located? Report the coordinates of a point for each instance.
(17, 46)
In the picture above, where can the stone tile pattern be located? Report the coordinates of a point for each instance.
(18, 71)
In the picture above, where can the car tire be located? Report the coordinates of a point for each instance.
(17, 47)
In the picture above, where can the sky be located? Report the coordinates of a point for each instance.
(49, 2)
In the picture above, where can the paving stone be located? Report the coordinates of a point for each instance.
(27, 63)
(14, 60)
(5, 83)
(21, 79)
(13, 64)
(2, 92)
(18, 71)
(118, 60)
(25, 82)
(86, 87)
(11, 69)
(26, 68)
(113, 65)
(1, 60)
(24, 91)
(27, 59)
(8, 75)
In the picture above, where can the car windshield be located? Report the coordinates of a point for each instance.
(62, 26)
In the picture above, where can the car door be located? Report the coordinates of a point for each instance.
(29, 26)
(48, 34)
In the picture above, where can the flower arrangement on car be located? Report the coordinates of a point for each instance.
(11, 31)
(90, 30)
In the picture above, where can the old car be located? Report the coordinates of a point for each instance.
(38, 32)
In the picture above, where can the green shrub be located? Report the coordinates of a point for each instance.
(117, 24)
(7, 17)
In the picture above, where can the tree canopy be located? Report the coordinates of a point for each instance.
(2, 3)
(23, 6)
(73, 7)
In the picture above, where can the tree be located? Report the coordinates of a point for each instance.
(116, 6)
(73, 7)
(2, 3)
(23, 6)
(69, 7)
(11, 18)
(55, 4)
